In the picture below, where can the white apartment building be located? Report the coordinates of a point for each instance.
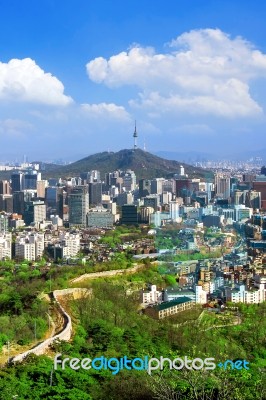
(201, 295)
(251, 296)
(151, 296)
(5, 245)
(70, 243)
(29, 247)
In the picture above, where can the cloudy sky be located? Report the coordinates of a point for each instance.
(76, 74)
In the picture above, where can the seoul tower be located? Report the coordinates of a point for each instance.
(135, 135)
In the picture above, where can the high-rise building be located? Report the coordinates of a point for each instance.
(4, 187)
(182, 187)
(31, 178)
(152, 200)
(18, 202)
(62, 195)
(166, 197)
(145, 213)
(157, 185)
(78, 202)
(17, 181)
(129, 215)
(93, 176)
(41, 185)
(124, 198)
(51, 198)
(95, 193)
(260, 186)
(253, 199)
(222, 186)
(35, 211)
(6, 203)
(239, 197)
(174, 210)
(129, 181)
(169, 185)
(144, 187)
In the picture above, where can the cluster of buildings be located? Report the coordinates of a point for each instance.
(202, 282)
(89, 201)
(163, 303)
(235, 277)
(30, 245)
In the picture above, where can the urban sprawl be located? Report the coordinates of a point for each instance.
(209, 234)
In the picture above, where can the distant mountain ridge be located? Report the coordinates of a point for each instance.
(144, 164)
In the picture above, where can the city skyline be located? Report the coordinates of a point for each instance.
(73, 80)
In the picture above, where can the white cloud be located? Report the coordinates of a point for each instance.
(23, 80)
(14, 127)
(194, 129)
(204, 72)
(105, 110)
(226, 100)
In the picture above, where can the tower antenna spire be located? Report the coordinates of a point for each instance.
(135, 135)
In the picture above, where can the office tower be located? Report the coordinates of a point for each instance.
(111, 175)
(209, 190)
(95, 193)
(222, 186)
(6, 203)
(51, 198)
(78, 201)
(30, 179)
(17, 181)
(169, 185)
(124, 198)
(129, 215)
(182, 187)
(35, 211)
(166, 197)
(18, 202)
(144, 187)
(41, 186)
(100, 218)
(253, 199)
(145, 213)
(260, 186)
(93, 176)
(152, 201)
(174, 211)
(239, 197)
(62, 198)
(129, 181)
(157, 185)
(4, 187)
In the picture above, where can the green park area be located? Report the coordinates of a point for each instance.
(110, 323)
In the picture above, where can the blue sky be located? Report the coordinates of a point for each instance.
(74, 75)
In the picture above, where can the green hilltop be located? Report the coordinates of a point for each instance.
(144, 164)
